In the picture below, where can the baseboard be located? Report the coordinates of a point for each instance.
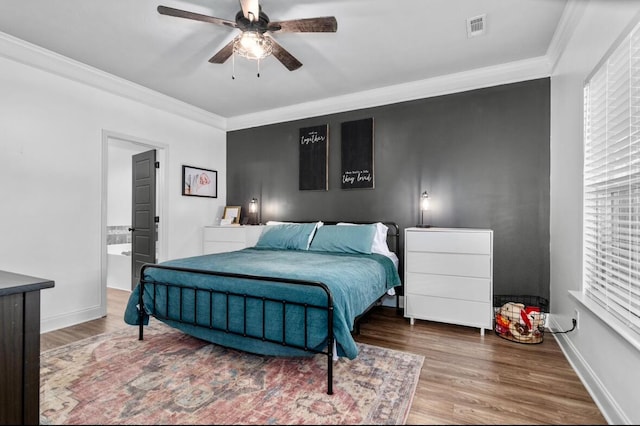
(67, 320)
(603, 399)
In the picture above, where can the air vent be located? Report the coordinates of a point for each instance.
(476, 25)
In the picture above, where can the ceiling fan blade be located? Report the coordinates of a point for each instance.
(223, 54)
(250, 7)
(164, 10)
(287, 59)
(325, 24)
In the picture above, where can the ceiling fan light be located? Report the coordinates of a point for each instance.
(253, 45)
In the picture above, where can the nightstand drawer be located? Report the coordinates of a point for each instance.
(220, 239)
(211, 247)
(224, 234)
(467, 265)
(452, 287)
(450, 242)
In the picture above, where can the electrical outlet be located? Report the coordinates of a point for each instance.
(576, 316)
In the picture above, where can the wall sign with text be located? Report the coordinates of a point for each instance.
(357, 154)
(314, 157)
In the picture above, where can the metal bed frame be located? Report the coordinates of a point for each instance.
(198, 293)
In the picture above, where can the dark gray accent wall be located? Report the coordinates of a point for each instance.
(482, 155)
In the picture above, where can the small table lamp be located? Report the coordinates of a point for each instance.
(253, 210)
(424, 206)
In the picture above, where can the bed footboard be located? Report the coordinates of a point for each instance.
(196, 297)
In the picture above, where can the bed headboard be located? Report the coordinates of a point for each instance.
(393, 237)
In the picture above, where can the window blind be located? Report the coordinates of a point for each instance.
(611, 224)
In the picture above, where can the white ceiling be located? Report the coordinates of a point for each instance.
(380, 44)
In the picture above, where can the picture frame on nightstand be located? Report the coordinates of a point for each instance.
(231, 213)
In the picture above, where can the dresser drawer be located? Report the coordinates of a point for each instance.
(451, 287)
(462, 312)
(449, 242)
(225, 234)
(467, 265)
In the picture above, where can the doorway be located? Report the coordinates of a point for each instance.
(118, 151)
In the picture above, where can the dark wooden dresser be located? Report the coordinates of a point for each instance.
(20, 348)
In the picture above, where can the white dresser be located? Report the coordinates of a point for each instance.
(449, 276)
(219, 239)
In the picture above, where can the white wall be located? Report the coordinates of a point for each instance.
(51, 189)
(607, 363)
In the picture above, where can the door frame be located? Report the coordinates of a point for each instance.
(162, 156)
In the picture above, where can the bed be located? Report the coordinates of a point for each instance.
(299, 292)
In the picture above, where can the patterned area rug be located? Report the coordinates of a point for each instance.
(173, 378)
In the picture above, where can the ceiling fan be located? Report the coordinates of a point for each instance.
(253, 41)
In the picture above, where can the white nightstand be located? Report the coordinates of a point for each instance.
(449, 276)
(219, 239)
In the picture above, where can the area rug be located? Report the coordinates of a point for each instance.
(172, 378)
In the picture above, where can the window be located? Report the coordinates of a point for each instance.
(611, 225)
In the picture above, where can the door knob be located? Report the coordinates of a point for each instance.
(132, 229)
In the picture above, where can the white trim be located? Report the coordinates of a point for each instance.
(72, 318)
(29, 54)
(162, 212)
(512, 72)
(608, 319)
(573, 11)
(475, 79)
(104, 177)
(529, 69)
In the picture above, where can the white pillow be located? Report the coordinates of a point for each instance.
(380, 240)
(318, 225)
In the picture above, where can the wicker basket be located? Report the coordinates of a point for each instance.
(520, 318)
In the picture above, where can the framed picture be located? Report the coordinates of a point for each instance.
(357, 154)
(231, 215)
(314, 158)
(199, 182)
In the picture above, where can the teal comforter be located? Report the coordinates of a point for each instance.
(355, 281)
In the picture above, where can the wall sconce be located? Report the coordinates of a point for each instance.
(424, 206)
(253, 210)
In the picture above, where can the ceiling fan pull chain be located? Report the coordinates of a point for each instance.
(233, 66)
(258, 67)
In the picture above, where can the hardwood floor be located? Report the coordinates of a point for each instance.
(465, 379)
(116, 302)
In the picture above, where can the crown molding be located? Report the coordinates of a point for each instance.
(512, 72)
(29, 54)
(573, 11)
(529, 69)
(475, 79)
